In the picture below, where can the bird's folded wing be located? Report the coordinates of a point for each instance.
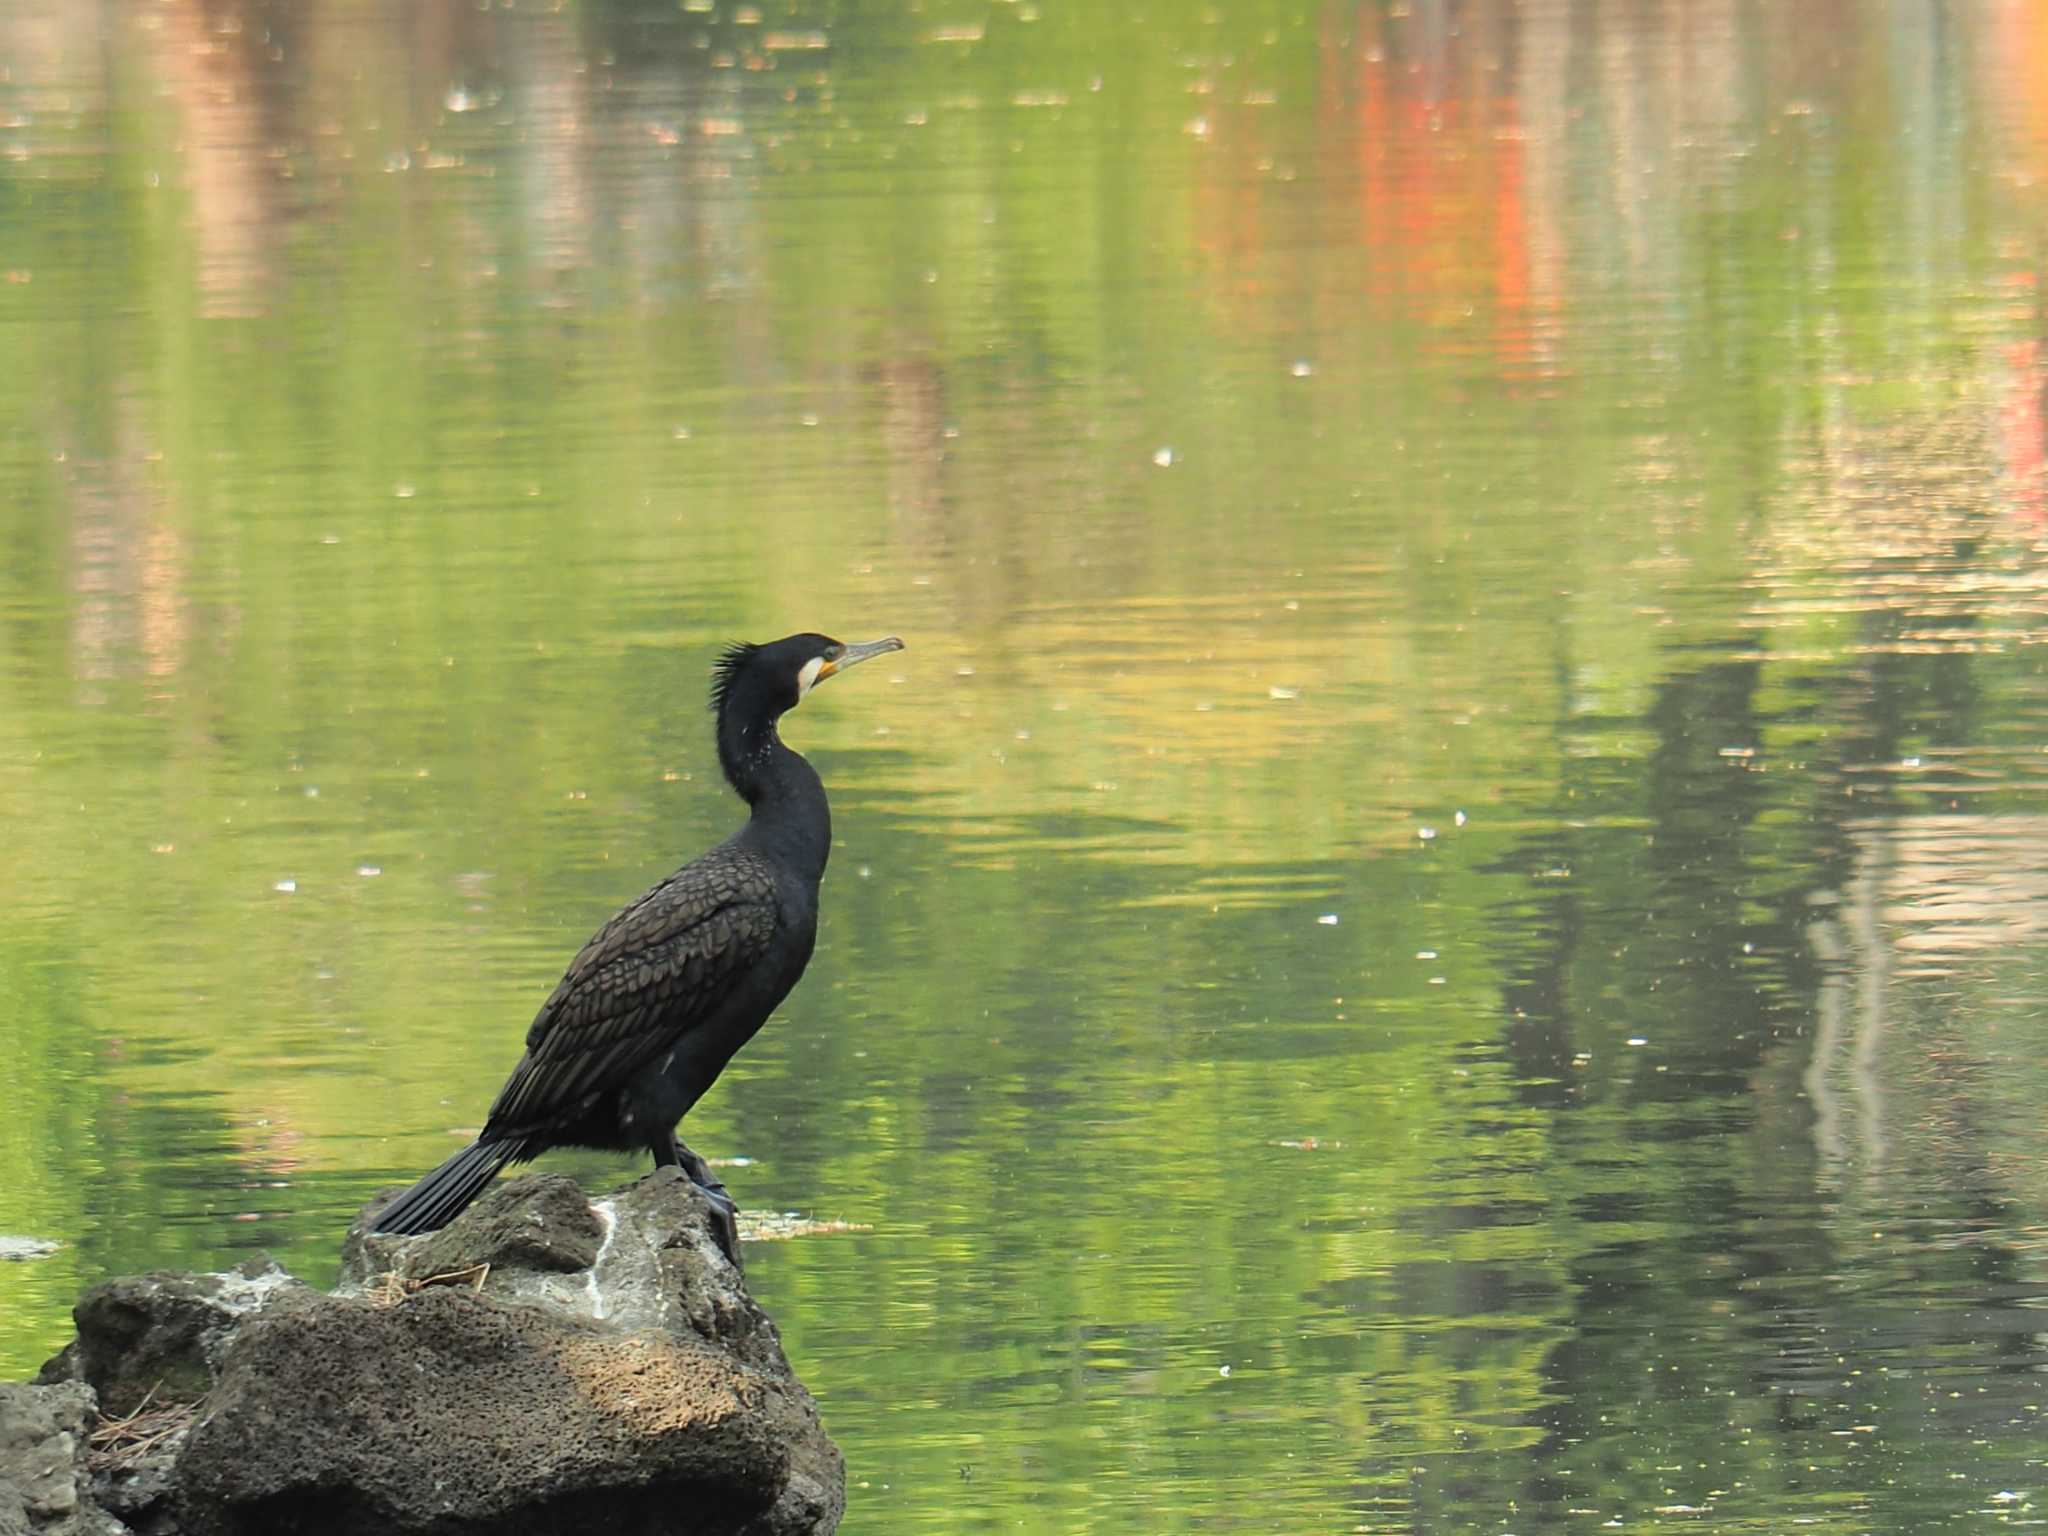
(645, 980)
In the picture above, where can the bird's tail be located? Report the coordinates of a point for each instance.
(441, 1196)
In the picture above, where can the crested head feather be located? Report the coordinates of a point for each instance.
(725, 669)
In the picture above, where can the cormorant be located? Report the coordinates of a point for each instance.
(653, 1007)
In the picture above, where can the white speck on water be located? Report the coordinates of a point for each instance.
(1436, 981)
(1163, 457)
(459, 99)
(1458, 819)
(1425, 954)
(963, 671)
(403, 491)
(864, 871)
(1282, 691)
(1302, 368)
(682, 434)
(330, 538)
(368, 871)
(287, 886)
(1328, 919)
(1748, 948)
(1909, 762)
(1223, 1371)
(1427, 834)
(312, 791)
(1636, 1040)
(810, 418)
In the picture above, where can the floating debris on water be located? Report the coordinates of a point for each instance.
(1328, 919)
(22, 1249)
(780, 1226)
(1163, 457)
(1306, 1144)
(286, 886)
(1303, 368)
(1282, 691)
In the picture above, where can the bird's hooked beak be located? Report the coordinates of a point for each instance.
(854, 655)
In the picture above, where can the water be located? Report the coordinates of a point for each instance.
(1555, 488)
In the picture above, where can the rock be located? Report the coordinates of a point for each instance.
(542, 1224)
(45, 1435)
(158, 1338)
(543, 1365)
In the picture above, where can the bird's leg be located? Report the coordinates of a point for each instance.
(671, 1151)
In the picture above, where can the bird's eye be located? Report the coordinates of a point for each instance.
(834, 651)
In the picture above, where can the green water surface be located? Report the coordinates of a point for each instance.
(1442, 927)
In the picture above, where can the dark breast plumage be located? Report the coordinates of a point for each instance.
(655, 973)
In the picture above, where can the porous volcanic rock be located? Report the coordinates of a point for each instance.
(44, 1433)
(543, 1365)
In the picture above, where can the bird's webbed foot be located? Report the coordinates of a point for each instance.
(726, 1211)
(726, 1219)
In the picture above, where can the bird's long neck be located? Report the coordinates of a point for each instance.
(791, 817)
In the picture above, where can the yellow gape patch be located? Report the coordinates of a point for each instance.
(809, 675)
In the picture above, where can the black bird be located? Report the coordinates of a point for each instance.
(653, 1007)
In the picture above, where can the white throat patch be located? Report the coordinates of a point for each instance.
(808, 676)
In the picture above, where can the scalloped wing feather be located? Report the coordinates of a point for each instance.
(656, 971)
